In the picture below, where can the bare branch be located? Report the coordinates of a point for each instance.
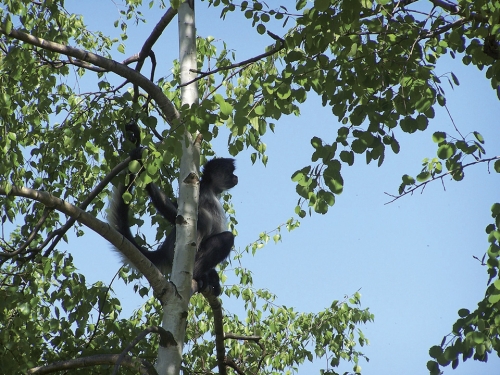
(155, 34)
(455, 9)
(100, 310)
(88, 66)
(443, 29)
(143, 366)
(146, 49)
(233, 336)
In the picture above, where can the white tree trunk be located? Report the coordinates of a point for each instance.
(175, 313)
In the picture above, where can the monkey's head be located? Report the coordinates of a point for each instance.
(219, 175)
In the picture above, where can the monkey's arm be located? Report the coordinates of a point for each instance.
(162, 203)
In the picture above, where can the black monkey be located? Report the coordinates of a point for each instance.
(214, 241)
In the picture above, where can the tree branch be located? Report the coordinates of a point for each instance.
(234, 366)
(146, 49)
(143, 366)
(423, 184)
(216, 307)
(455, 9)
(277, 48)
(255, 339)
(6, 255)
(161, 287)
(59, 233)
(153, 37)
(167, 108)
(166, 339)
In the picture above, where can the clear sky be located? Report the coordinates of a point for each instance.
(412, 260)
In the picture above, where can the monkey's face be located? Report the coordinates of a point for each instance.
(233, 182)
(219, 174)
(225, 179)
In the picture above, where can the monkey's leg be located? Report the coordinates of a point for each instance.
(212, 251)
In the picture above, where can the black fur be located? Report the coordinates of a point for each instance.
(214, 241)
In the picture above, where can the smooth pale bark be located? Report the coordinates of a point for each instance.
(175, 313)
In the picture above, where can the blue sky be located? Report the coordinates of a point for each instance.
(412, 260)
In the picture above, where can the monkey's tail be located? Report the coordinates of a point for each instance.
(118, 217)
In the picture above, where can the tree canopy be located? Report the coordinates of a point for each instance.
(63, 148)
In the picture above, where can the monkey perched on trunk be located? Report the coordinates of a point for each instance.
(214, 241)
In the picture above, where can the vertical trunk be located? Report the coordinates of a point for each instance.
(175, 313)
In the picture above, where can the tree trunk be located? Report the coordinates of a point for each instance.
(175, 313)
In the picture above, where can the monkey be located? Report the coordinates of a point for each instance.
(214, 241)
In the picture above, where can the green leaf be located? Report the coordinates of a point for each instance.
(260, 110)
(321, 5)
(395, 146)
(441, 100)
(423, 176)
(408, 180)
(226, 108)
(316, 142)
(495, 209)
(435, 351)
(496, 166)
(497, 284)
(358, 146)
(479, 137)
(439, 137)
(463, 313)
(7, 24)
(478, 337)
(261, 29)
(445, 151)
(300, 4)
(134, 166)
(347, 157)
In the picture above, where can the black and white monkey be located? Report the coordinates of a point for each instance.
(214, 241)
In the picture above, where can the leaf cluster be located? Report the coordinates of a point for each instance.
(451, 156)
(475, 334)
(373, 64)
(49, 313)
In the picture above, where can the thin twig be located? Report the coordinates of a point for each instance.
(423, 184)
(31, 237)
(277, 48)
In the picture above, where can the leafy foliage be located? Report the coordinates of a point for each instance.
(49, 314)
(476, 333)
(371, 63)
